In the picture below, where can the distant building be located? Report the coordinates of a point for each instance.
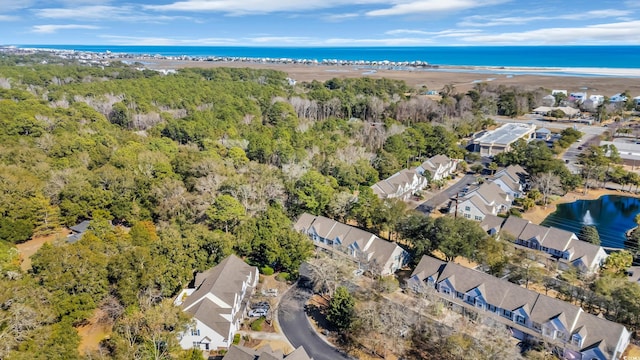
(556, 92)
(546, 111)
(501, 139)
(578, 97)
(77, 231)
(629, 152)
(597, 99)
(543, 134)
(549, 100)
(618, 98)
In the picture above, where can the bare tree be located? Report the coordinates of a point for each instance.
(548, 184)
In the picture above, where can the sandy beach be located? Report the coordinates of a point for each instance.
(463, 78)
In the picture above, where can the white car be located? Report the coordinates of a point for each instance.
(258, 312)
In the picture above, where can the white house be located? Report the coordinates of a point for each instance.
(487, 199)
(526, 313)
(217, 303)
(512, 180)
(556, 92)
(549, 100)
(578, 97)
(597, 99)
(400, 185)
(617, 98)
(371, 252)
(500, 140)
(439, 166)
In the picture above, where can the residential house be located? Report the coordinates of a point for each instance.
(578, 97)
(500, 140)
(556, 92)
(400, 185)
(543, 134)
(77, 231)
(217, 301)
(617, 98)
(487, 199)
(492, 224)
(526, 313)
(439, 166)
(369, 251)
(561, 245)
(546, 110)
(244, 353)
(549, 100)
(636, 101)
(512, 180)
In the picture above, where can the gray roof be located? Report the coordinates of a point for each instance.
(77, 231)
(264, 353)
(375, 248)
(224, 281)
(390, 185)
(541, 308)
(514, 226)
(492, 222)
(435, 161)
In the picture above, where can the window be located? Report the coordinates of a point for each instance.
(576, 339)
(478, 218)
(506, 313)
(459, 295)
(195, 332)
(491, 308)
(480, 303)
(467, 208)
(520, 319)
(196, 345)
(446, 290)
(536, 326)
(467, 216)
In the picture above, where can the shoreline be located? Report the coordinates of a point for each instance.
(416, 65)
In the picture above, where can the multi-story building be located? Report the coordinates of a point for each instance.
(527, 314)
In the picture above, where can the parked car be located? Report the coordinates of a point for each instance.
(258, 312)
(261, 305)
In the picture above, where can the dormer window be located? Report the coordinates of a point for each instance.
(576, 340)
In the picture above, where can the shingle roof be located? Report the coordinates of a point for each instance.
(435, 161)
(390, 185)
(224, 281)
(514, 226)
(492, 222)
(595, 331)
(264, 353)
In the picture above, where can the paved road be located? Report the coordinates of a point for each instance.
(298, 330)
(440, 198)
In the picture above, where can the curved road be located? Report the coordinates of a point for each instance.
(296, 327)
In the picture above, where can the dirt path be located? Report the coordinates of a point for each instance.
(28, 248)
(92, 333)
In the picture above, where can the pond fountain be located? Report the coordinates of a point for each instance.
(612, 215)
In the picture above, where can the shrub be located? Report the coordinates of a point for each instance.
(236, 339)
(267, 270)
(257, 325)
(283, 276)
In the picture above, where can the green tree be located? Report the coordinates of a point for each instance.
(617, 263)
(589, 234)
(225, 212)
(341, 309)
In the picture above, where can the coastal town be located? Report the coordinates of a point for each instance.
(247, 213)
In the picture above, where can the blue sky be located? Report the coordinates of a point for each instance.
(319, 22)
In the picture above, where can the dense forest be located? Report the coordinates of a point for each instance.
(177, 171)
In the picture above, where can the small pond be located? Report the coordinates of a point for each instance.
(612, 215)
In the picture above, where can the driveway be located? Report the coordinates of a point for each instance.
(296, 327)
(446, 194)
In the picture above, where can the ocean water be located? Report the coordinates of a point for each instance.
(619, 57)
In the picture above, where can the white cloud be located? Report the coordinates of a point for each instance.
(288, 40)
(340, 17)
(613, 33)
(433, 6)
(488, 20)
(11, 5)
(50, 29)
(235, 7)
(435, 34)
(8, 18)
(102, 12)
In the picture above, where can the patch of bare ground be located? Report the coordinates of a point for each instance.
(30, 247)
(93, 332)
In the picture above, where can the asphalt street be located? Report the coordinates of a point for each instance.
(446, 194)
(296, 327)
